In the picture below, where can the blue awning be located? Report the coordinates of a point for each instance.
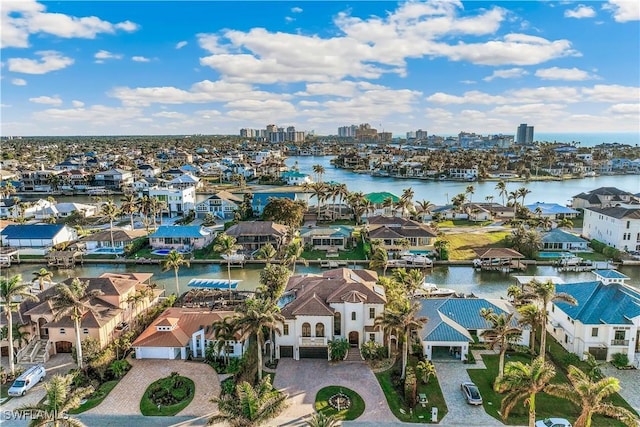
(213, 283)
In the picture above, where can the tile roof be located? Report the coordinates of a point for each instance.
(257, 228)
(119, 235)
(618, 212)
(32, 231)
(184, 231)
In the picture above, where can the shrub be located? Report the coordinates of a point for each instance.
(471, 359)
(228, 386)
(620, 360)
(338, 349)
(371, 350)
(570, 359)
(136, 245)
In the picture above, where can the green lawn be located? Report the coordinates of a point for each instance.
(354, 411)
(355, 254)
(546, 405)
(96, 398)
(449, 223)
(4, 388)
(184, 394)
(396, 401)
(462, 245)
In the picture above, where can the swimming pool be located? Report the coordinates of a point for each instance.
(422, 252)
(554, 254)
(117, 251)
(165, 252)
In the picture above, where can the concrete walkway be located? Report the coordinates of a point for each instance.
(302, 379)
(125, 398)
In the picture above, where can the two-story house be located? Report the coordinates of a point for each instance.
(253, 235)
(616, 226)
(179, 200)
(339, 304)
(605, 321)
(221, 205)
(113, 179)
(603, 197)
(392, 230)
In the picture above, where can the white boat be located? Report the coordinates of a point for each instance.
(431, 290)
(417, 260)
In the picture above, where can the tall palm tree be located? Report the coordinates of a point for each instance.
(470, 190)
(501, 332)
(501, 186)
(110, 211)
(566, 223)
(249, 406)
(531, 315)
(226, 245)
(409, 323)
(173, 261)
(523, 381)
(129, 206)
(390, 323)
(379, 259)
(73, 300)
(414, 281)
(224, 330)
(425, 207)
(293, 253)
(545, 293)
(256, 315)
(319, 171)
(12, 293)
(440, 245)
(267, 252)
(319, 190)
(59, 399)
(523, 192)
(513, 195)
(588, 395)
(43, 275)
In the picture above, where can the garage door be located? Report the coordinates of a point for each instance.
(598, 352)
(313, 353)
(155, 353)
(286, 351)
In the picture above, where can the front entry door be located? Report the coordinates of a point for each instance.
(354, 340)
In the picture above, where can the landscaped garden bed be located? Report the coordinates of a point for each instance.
(96, 397)
(339, 402)
(167, 396)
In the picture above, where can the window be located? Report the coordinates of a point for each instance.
(319, 329)
(619, 335)
(594, 332)
(353, 315)
(337, 329)
(285, 329)
(372, 337)
(306, 329)
(372, 313)
(85, 331)
(230, 349)
(62, 331)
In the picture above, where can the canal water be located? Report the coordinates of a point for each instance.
(460, 278)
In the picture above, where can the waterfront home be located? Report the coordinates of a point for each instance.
(616, 226)
(181, 237)
(14, 207)
(145, 183)
(185, 180)
(102, 239)
(260, 200)
(339, 304)
(390, 230)
(112, 311)
(551, 210)
(382, 203)
(454, 323)
(605, 321)
(113, 179)
(37, 236)
(182, 332)
(296, 178)
(470, 211)
(603, 197)
(331, 238)
(179, 200)
(221, 205)
(253, 235)
(148, 171)
(42, 180)
(63, 210)
(467, 174)
(560, 240)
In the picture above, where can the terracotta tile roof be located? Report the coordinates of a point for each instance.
(119, 235)
(257, 228)
(104, 312)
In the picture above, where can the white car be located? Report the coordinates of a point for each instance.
(553, 422)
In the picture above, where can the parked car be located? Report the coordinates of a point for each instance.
(553, 422)
(27, 380)
(471, 393)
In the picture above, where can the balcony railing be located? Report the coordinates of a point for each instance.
(619, 342)
(313, 341)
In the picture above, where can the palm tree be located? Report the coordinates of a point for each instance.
(390, 323)
(501, 186)
(565, 223)
(11, 290)
(110, 211)
(470, 190)
(425, 207)
(319, 191)
(524, 381)
(440, 245)
(408, 323)
(43, 275)
(513, 195)
(173, 261)
(59, 399)
(531, 315)
(257, 315)
(267, 252)
(129, 206)
(73, 300)
(501, 332)
(294, 252)
(319, 171)
(319, 419)
(224, 330)
(379, 259)
(588, 395)
(414, 280)
(226, 245)
(545, 293)
(250, 406)
(523, 192)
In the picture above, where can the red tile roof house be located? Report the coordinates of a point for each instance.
(339, 304)
(180, 332)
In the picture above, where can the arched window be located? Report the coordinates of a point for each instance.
(306, 329)
(337, 327)
(319, 329)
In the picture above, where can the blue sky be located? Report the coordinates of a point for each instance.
(93, 68)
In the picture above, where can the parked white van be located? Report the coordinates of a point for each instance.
(27, 380)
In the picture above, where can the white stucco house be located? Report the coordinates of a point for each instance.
(339, 304)
(616, 226)
(180, 332)
(605, 321)
(37, 235)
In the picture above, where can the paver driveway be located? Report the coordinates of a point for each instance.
(302, 379)
(124, 399)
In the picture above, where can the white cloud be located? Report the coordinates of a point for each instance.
(55, 100)
(19, 82)
(181, 44)
(170, 115)
(77, 104)
(105, 54)
(571, 74)
(50, 60)
(289, 19)
(296, 9)
(624, 10)
(580, 12)
(140, 59)
(625, 109)
(511, 73)
(20, 19)
(612, 93)
(99, 115)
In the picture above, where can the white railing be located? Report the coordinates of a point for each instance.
(47, 349)
(33, 353)
(23, 351)
(313, 341)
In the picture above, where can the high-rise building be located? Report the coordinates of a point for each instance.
(524, 134)
(347, 131)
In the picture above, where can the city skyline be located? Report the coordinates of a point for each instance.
(85, 68)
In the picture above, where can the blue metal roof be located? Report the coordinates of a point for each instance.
(32, 231)
(184, 231)
(598, 303)
(551, 208)
(610, 274)
(213, 283)
(466, 311)
(445, 332)
(559, 236)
